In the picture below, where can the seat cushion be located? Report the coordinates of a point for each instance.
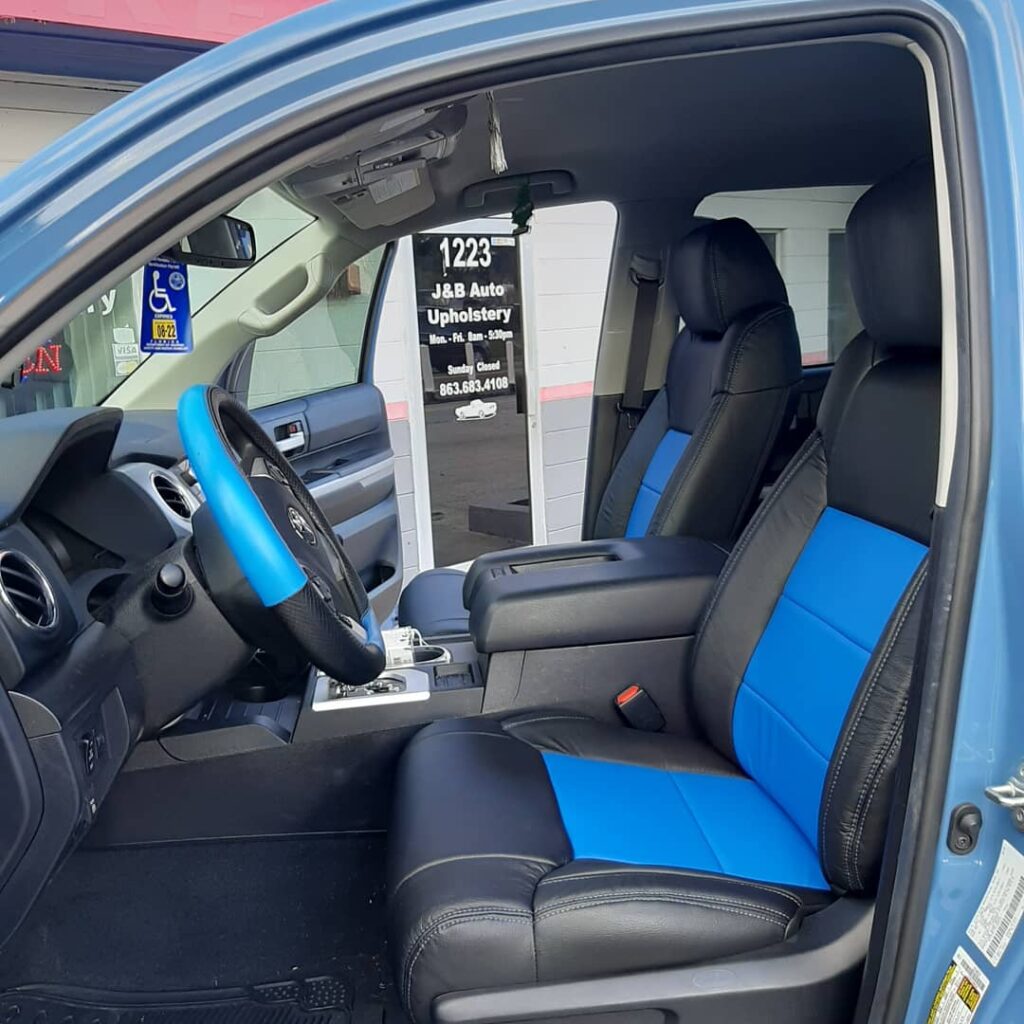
(432, 603)
(507, 867)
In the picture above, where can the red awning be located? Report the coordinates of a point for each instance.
(214, 21)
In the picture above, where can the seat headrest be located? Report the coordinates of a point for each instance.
(893, 241)
(721, 270)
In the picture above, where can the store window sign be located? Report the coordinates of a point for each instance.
(470, 320)
(46, 361)
(166, 315)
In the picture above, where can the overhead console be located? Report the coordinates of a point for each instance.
(380, 174)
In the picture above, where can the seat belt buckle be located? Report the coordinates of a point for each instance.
(637, 707)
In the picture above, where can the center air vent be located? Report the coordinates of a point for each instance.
(25, 591)
(173, 495)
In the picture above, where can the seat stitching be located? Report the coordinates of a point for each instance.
(873, 773)
(505, 917)
(713, 260)
(441, 861)
(894, 745)
(582, 876)
(696, 820)
(825, 622)
(547, 718)
(876, 674)
(771, 707)
(748, 332)
(810, 445)
(862, 709)
(872, 779)
(730, 901)
(777, 922)
(499, 914)
(687, 464)
(461, 732)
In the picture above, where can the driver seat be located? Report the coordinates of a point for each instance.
(549, 846)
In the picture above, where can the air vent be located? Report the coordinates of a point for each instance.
(173, 495)
(26, 592)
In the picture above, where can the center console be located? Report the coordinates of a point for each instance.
(592, 592)
(421, 681)
(559, 629)
(564, 625)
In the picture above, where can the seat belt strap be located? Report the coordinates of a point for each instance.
(646, 275)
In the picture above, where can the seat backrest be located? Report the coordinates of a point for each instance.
(802, 668)
(694, 462)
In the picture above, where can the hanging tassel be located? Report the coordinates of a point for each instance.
(499, 165)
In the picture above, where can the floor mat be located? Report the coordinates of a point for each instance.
(212, 917)
(312, 1001)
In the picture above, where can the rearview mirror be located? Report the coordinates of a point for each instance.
(225, 242)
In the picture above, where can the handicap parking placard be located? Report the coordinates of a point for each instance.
(166, 316)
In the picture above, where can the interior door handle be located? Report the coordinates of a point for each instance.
(260, 322)
(292, 443)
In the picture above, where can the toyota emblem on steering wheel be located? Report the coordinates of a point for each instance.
(301, 526)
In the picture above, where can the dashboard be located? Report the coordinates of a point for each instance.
(92, 505)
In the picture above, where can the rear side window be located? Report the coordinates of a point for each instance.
(805, 230)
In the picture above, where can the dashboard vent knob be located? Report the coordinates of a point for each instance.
(172, 494)
(26, 592)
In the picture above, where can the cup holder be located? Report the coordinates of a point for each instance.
(430, 654)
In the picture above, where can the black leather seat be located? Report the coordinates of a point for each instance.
(548, 846)
(694, 462)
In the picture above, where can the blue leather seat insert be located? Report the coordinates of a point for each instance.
(655, 479)
(787, 717)
(716, 823)
(805, 669)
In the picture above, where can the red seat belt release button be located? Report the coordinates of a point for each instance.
(637, 707)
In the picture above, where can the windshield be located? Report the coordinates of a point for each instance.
(99, 349)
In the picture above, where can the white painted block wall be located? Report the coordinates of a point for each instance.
(804, 218)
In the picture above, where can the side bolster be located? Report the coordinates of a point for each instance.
(617, 502)
(858, 788)
(475, 828)
(749, 587)
(577, 735)
(756, 365)
(672, 917)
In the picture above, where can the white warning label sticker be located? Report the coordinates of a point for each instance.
(1000, 910)
(960, 991)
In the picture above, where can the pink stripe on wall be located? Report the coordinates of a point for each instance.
(559, 392)
(397, 411)
(214, 22)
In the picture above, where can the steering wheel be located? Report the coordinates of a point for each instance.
(281, 540)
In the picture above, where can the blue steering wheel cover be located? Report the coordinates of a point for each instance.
(372, 627)
(264, 558)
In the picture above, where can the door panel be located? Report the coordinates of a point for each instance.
(339, 444)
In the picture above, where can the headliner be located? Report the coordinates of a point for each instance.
(836, 113)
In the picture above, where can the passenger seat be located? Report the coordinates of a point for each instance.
(694, 462)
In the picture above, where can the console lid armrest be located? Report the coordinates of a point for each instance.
(591, 592)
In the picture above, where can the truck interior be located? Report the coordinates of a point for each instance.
(652, 775)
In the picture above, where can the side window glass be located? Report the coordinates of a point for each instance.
(805, 230)
(321, 350)
(98, 350)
